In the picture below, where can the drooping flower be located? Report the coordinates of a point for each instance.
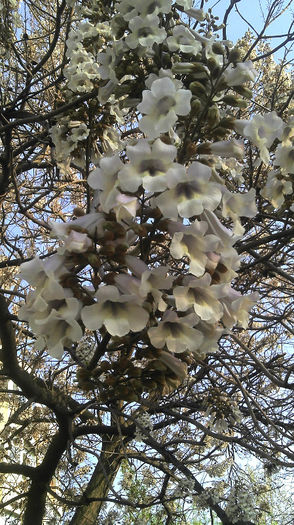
(224, 148)
(145, 31)
(161, 105)
(285, 157)
(192, 242)
(183, 40)
(120, 314)
(193, 194)
(37, 271)
(237, 205)
(276, 188)
(146, 281)
(150, 165)
(202, 296)
(56, 322)
(90, 223)
(229, 258)
(109, 59)
(240, 73)
(185, 4)
(76, 242)
(105, 179)
(211, 334)
(177, 333)
(262, 130)
(236, 307)
(124, 207)
(128, 9)
(198, 14)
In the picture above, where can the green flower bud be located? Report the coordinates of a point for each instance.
(234, 55)
(196, 106)
(197, 88)
(235, 102)
(213, 116)
(244, 91)
(218, 48)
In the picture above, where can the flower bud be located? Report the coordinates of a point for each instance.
(197, 88)
(220, 133)
(213, 115)
(213, 66)
(234, 55)
(183, 68)
(196, 106)
(218, 48)
(108, 236)
(227, 122)
(234, 101)
(108, 250)
(244, 91)
(78, 212)
(94, 260)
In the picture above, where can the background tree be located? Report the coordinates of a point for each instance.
(117, 265)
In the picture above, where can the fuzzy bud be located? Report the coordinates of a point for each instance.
(234, 101)
(197, 88)
(196, 106)
(218, 48)
(234, 55)
(213, 116)
(244, 91)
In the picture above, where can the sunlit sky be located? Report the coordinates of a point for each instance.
(254, 12)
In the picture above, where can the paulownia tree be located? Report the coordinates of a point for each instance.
(147, 209)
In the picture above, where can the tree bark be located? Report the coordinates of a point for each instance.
(100, 483)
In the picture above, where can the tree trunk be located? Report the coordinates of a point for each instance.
(100, 483)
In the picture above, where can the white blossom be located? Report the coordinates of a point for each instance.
(37, 271)
(193, 194)
(145, 31)
(198, 14)
(120, 314)
(182, 39)
(76, 242)
(90, 223)
(57, 325)
(236, 307)
(105, 179)
(226, 148)
(237, 205)
(192, 242)
(163, 73)
(177, 333)
(240, 73)
(262, 130)
(150, 165)
(276, 188)
(285, 157)
(202, 296)
(161, 105)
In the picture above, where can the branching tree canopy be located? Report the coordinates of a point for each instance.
(146, 295)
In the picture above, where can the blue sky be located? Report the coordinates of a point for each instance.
(254, 11)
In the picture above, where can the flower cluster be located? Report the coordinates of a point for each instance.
(52, 310)
(66, 135)
(241, 505)
(144, 426)
(185, 487)
(222, 411)
(149, 268)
